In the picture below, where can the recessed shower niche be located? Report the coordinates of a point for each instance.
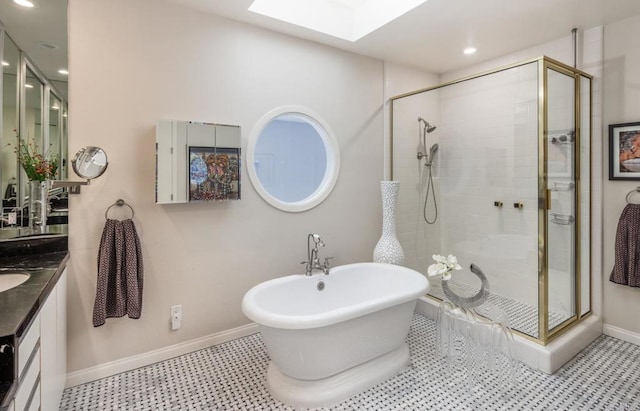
(197, 162)
(511, 183)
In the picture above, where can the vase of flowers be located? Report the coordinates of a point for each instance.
(38, 202)
(39, 170)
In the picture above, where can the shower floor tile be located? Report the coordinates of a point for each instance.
(231, 376)
(522, 317)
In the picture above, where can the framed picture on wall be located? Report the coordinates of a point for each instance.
(624, 151)
(214, 173)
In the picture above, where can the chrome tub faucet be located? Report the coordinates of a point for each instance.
(313, 262)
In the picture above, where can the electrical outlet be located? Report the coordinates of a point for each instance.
(176, 317)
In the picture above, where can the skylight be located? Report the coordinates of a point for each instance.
(346, 19)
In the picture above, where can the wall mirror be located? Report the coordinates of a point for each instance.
(293, 158)
(90, 162)
(34, 107)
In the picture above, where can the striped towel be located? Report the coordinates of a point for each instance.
(120, 273)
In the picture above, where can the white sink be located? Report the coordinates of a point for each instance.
(8, 281)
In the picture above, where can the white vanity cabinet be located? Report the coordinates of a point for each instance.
(53, 346)
(42, 359)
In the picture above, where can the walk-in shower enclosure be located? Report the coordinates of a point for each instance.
(511, 184)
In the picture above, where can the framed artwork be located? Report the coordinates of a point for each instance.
(214, 173)
(624, 151)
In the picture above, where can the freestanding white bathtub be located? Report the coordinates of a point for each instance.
(328, 345)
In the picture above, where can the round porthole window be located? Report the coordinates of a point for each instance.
(293, 158)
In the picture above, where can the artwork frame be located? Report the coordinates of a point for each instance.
(624, 151)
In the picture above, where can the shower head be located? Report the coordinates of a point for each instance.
(422, 139)
(427, 127)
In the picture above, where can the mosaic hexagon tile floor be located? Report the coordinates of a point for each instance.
(231, 376)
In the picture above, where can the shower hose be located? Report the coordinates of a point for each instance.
(430, 188)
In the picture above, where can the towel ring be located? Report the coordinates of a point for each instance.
(630, 193)
(118, 203)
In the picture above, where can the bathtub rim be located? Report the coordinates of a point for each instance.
(300, 322)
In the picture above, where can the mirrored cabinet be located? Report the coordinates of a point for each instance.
(197, 162)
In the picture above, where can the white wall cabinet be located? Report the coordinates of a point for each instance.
(175, 141)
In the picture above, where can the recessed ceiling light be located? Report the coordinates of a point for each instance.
(24, 3)
(346, 19)
(28, 85)
(63, 72)
(470, 50)
(4, 63)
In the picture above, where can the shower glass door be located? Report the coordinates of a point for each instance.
(508, 189)
(561, 191)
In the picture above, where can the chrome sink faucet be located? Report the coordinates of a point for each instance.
(313, 262)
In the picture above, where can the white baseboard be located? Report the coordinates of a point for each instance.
(130, 363)
(622, 334)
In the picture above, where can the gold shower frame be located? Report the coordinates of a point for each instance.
(544, 64)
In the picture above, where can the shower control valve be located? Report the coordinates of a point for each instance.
(497, 204)
(518, 205)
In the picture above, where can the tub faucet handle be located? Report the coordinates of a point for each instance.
(326, 266)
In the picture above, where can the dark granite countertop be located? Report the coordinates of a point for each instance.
(18, 303)
(44, 259)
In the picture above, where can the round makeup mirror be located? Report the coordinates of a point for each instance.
(90, 162)
(293, 158)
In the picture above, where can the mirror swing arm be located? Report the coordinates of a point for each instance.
(73, 186)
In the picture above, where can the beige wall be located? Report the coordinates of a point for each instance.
(135, 62)
(621, 104)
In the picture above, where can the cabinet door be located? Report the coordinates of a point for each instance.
(48, 341)
(53, 336)
(61, 354)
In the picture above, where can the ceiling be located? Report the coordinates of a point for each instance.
(433, 35)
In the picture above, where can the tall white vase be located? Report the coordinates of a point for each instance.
(388, 249)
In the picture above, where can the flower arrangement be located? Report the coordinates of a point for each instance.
(35, 165)
(443, 266)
